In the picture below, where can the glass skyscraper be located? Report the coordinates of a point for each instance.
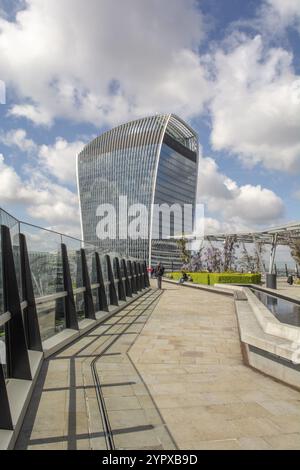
(152, 161)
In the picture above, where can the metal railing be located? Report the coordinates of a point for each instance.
(49, 282)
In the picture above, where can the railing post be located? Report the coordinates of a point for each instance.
(147, 281)
(132, 278)
(137, 277)
(5, 415)
(102, 300)
(121, 290)
(18, 366)
(112, 288)
(138, 267)
(70, 309)
(142, 276)
(31, 324)
(128, 290)
(89, 308)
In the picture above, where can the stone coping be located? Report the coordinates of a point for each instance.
(19, 394)
(216, 289)
(268, 322)
(252, 333)
(273, 292)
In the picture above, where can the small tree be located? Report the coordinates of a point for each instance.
(196, 262)
(184, 252)
(213, 259)
(229, 255)
(295, 250)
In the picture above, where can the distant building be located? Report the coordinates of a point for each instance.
(152, 160)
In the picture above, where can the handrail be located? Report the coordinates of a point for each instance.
(79, 290)
(48, 298)
(95, 286)
(4, 318)
(24, 304)
(22, 307)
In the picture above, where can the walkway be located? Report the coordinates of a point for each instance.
(291, 291)
(165, 372)
(90, 396)
(189, 355)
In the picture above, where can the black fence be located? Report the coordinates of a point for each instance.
(45, 290)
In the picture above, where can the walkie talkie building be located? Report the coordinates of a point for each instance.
(152, 161)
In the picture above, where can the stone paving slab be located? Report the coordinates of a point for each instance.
(64, 413)
(190, 358)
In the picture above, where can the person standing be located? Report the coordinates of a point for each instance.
(159, 272)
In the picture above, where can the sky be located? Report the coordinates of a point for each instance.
(75, 68)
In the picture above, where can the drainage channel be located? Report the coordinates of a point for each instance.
(108, 432)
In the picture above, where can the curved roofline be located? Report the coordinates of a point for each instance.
(185, 124)
(179, 123)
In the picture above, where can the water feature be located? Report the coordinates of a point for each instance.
(285, 311)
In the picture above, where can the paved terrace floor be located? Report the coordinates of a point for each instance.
(173, 379)
(291, 291)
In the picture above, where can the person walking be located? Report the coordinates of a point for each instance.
(159, 272)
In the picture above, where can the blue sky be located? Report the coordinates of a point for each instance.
(231, 68)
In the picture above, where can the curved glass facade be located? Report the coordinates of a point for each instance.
(150, 160)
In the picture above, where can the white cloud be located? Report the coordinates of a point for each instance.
(65, 60)
(60, 158)
(91, 64)
(213, 226)
(238, 207)
(282, 13)
(10, 183)
(34, 113)
(17, 138)
(42, 198)
(256, 108)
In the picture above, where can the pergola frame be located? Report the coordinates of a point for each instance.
(282, 235)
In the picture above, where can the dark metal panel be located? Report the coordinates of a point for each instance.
(18, 365)
(112, 288)
(132, 277)
(147, 280)
(142, 275)
(89, 309)
(31, 324)
(5, 416)
(102, 300)
(128, 290)
(70, 309)
(137, 276)
(121, 289)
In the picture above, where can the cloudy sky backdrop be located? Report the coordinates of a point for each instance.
(231, 68)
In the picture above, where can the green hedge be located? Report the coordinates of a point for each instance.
(234, 278)
(219, 278)
(198, 278)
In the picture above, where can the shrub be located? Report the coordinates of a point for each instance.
(234, 278)
(219, 278)
(200, 278)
